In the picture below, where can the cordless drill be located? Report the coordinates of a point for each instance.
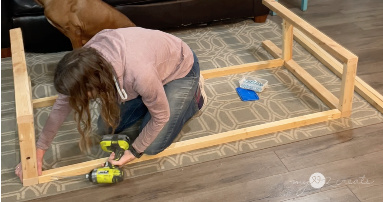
(110, 173)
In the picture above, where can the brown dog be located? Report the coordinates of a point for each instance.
(80, 20)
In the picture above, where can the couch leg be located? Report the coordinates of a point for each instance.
(260, 19)
(6, 52)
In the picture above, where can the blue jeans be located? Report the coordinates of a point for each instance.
(181, 97)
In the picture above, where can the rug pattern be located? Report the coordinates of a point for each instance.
(216, 46)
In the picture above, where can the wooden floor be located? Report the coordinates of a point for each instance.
(352, 159)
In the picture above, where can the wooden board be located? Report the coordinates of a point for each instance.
(199, 143)
(347, 87)
(44, 102)
(218, 72)
(287, 41)
(24, 109)
(314, 85)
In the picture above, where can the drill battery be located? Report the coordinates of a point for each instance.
(115, 143)
(108, 141)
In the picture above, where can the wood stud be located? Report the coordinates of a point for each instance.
(287, 40)
(24, 109)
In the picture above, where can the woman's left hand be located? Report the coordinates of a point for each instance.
(126, 158)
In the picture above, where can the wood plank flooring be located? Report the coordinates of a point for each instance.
(353, 159)
(261, 175)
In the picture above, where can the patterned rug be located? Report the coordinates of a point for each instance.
(216, 46)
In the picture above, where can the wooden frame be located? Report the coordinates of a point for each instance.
(340, 107)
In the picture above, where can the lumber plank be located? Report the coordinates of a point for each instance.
(271, 48)
(30, 181)
(321, 39)
(26, 134)
(44, 102)
(287, 39)
(24, 109)
(361, 87)
(368, 93)
(318, 52)
(325, 95)
(218, 72)
(199, 143)
(347, 87)
(310, 82)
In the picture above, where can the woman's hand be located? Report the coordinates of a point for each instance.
(126, 158)
(39, 157)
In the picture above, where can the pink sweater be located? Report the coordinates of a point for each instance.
(144, 60)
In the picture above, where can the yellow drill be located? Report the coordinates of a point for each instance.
(109, 173)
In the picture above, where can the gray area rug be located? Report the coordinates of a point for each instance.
(216, 46)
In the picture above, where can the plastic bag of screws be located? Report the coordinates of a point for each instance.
(253, 83)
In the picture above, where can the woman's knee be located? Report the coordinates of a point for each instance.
(153, 150)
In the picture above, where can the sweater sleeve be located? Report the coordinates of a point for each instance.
(60, 111)
(153, 96)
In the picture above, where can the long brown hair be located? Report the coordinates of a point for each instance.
(84, 71)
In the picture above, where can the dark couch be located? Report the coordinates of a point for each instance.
(40, 36)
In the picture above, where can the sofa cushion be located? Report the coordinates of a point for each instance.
(159, 15)
(30, 7)
(26, 7)
(223, 9)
